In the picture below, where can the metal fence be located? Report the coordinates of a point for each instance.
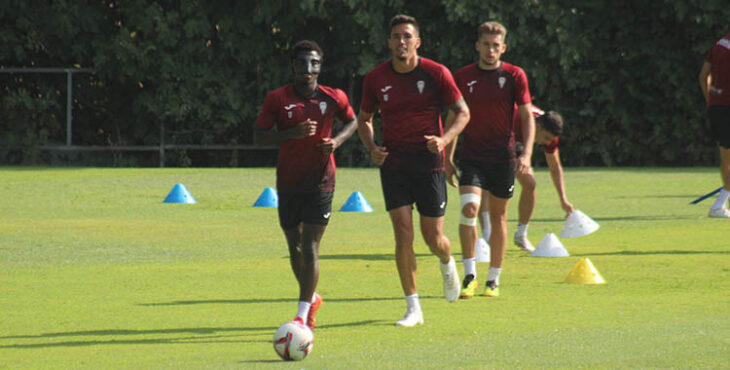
(69, 147)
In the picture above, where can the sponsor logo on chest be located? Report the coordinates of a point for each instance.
(471, 85)
(384, 91)
(290, 108)
(420, 85)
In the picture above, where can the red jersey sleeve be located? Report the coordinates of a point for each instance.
(450, 93)
(552, 147)
(345, 112)
(369, 100)
(523, 88)
(269, 112)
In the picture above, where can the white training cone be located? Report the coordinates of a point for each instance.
(578, 224)
(482, 250)
(550, 246)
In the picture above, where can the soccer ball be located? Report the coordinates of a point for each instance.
(293, 341)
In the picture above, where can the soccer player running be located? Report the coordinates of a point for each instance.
(410, 91)
(548, 127)
(299, 117)
(715, 84)
(487, 157)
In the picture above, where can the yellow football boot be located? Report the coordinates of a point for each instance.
(469, 287)
(491, 290)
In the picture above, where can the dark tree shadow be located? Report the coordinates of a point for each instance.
(647, 253)
(275, 300)
(196, 335)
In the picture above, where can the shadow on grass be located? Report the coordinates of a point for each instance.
(647, 253)
(627, 218)
(367, 257)
(275, 300)
(179, 340)
(654, 196)
(198, 336)
(138, 332)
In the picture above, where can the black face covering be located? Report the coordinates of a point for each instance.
(307, 62)
(306, 66)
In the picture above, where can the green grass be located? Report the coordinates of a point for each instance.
(97, 272)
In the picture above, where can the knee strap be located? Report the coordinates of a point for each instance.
(467, 198)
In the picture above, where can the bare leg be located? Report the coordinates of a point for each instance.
(432, 229)
(468, 234)
(405, 257)
(484, 207)
(303, 244)
(528, 196)
(498, 239)
(725, 167)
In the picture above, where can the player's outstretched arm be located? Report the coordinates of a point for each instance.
(556, 173)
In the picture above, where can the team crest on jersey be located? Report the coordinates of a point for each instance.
(471, 85)
(384, 90)
(420, 84)
(501, 81)
(289, 108)
(322, 107)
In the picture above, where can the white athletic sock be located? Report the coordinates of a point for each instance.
(521, 230)
(304, 310)
(487, 226)
(470, 267)
(494, 274)
(721, 199)
(413, 303)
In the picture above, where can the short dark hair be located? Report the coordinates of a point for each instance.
(306, 45)
(491, 28)
(552, 122)
(401, 19)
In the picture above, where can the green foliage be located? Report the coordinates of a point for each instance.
(623, 74)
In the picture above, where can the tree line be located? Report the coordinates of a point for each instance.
(623, 73)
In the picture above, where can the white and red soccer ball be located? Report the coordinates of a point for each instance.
(293, 341)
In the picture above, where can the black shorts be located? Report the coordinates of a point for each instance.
(426, 189)
(312, 208)
(497, 178)
(719, 116)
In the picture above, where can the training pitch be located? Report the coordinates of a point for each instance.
(97, 272)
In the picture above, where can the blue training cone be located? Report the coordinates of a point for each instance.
(179, 194)
(356, 203)
(268, 198)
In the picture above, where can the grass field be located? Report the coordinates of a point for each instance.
(96, 272)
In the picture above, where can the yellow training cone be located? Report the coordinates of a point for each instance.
(584, 273)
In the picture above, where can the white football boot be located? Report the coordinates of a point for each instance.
(721, 212)
(412, 317)
(451, 280)
(523, 243)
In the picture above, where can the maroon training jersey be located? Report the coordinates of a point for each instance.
(719, 58)
(410, 107)
(301, 166)
(537, 112)
(491, 97)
